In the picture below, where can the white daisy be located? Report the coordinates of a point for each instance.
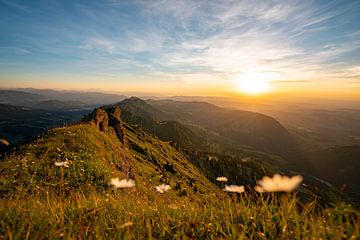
(62, 164)
(278, 183)
(162, 188)
(124, 183)
(234, 188)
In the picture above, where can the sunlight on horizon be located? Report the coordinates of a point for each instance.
(253, 83)
(183, 47)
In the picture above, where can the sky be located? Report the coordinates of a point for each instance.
(182, 47)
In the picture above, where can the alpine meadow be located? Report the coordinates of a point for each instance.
(179, 119)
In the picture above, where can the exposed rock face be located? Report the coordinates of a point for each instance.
(109, 117)
(101, 119)
(116, 123)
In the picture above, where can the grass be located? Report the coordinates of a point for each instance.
(41, 201)
(105, 216)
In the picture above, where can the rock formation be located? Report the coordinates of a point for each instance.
(116, 122)
(108, 117)
(101, 119)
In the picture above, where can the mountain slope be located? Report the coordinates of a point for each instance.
(39, 200)
(153, 120)
(236, 129)
(338, 165)
(98, 156)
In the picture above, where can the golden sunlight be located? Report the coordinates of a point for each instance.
(253, 83)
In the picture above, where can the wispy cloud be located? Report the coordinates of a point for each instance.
(16, 5)
(14, 50)
(212, 42)
(236, 37)
(99, 44)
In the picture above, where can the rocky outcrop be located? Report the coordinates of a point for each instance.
(116, 122)
(101, 119)
(104, 118)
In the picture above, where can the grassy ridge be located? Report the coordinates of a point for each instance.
(41, 201)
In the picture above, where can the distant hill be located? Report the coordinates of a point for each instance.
(227, 128)
(56, 105)
(89, 98)
(153, 120)
(338, 165)
(25, 113)
(20, 124)
(316, 129)
(20, 98)
(31, 97)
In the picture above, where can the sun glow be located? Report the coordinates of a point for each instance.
(253, 83)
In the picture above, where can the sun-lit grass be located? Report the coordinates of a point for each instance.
(104, 216)
(39, 200)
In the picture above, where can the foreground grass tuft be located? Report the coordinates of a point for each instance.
(130, 215)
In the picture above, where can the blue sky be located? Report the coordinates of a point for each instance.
(183, 45)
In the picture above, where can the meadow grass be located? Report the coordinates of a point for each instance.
(39, 200)
(128, 214)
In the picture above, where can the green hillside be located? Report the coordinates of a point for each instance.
(40, 200)
(225, 128)
(153, 120)
(95, 157)
(337, 165)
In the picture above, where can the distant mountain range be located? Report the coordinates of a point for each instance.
(200, 130)
(32, 97)
(141, 155)
(211, 125)
(25, 113)
(20, 124)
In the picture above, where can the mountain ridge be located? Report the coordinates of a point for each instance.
(229, 128)
(63, 182)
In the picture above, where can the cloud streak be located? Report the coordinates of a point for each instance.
(212, 42)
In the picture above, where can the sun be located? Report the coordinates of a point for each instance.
(253, 83)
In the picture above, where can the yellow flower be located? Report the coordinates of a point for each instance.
(278, 183)
(124, 183)
(221, 179)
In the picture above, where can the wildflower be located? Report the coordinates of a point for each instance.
(234, 188)
(162, 188)
(4, 141)
(124, 183)
(62, 164)
(221, 179)
(278, 183)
